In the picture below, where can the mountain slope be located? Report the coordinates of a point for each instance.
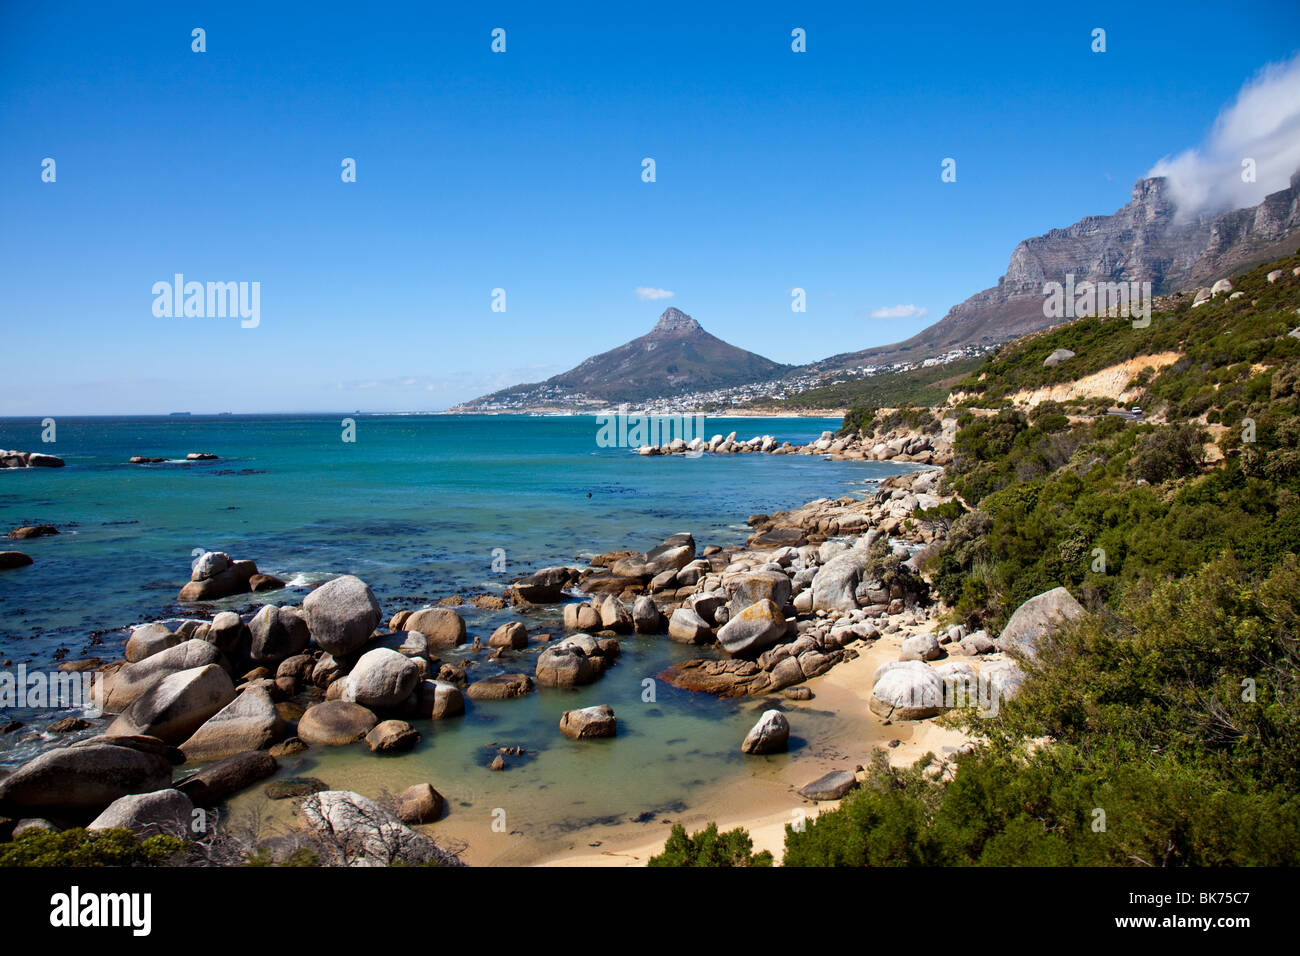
(676, 356)
(1145, 241)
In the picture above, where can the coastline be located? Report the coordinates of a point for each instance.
(761, 794)
(763, 802)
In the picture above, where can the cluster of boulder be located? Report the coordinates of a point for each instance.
(1204, 295)
(174, 700)
(215, 576)
(911, 689)
(318, 675)
(779, 614)
(900, 445)
(29, 459)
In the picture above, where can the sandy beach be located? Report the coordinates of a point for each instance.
(765, 800)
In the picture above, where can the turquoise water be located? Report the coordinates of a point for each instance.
(415, 507)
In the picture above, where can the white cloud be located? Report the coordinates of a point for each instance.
(899, 312)
(1262, 124)
(647, 294)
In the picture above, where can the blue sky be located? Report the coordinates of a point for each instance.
(522, 171)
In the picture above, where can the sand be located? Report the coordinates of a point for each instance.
(765, 800)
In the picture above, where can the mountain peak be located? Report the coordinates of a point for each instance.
(675, 320)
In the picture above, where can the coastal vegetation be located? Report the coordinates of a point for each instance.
(918, 387)
(78, 846)
(710, 848)
(1161, 729)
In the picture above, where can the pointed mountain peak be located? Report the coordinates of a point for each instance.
(675, 320)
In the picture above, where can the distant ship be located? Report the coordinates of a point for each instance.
(179, 415)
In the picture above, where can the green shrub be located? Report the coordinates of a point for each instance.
(710, 848)
(81, 847)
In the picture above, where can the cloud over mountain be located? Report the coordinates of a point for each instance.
(1262, 124)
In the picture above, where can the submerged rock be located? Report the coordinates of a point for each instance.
(589, 722)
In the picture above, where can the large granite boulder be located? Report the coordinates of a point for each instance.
(160, 813)
(217, 577)
(500, 687)
(86, 776)
(392, 736)
(249, 722)
(512, 635)
(381, 678)
(770, 735)
(750, 587)
(835, 585)
(646, 617)
(830, 786)
(921, 647)
(687, 627)
(178, 705)
(614, 615)
(438, 699)
(128, 684)
(566, 664)
(588, 722)
(227, 632)
(419, 803)
(753, 629)
(1036, 619)
(342, 614)
(355, 831)
(277, 633)
(674, 553)
(442, 626)
(543, 587)
(906, 690)
(219, 781)
(335, 723)
(147, 640)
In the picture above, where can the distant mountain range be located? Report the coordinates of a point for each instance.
(674, 357)
(1144, 241)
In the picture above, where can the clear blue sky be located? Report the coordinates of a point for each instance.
(523, 171)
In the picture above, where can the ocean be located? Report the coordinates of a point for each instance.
(418, 506)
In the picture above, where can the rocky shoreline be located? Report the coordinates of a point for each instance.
(810, 589)
(898, 445)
